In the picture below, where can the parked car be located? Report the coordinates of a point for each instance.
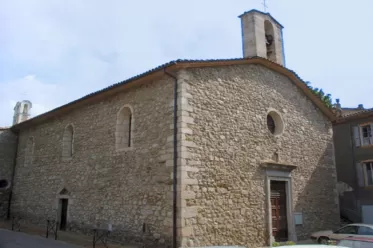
(356, 242)
(312, 246)
(350, 230)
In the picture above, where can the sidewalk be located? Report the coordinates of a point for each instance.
(68, 237)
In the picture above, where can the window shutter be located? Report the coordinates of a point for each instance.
(356, 131)
(360, 175)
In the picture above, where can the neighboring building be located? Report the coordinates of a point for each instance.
(353, 138)
(203, 152)
(8, 150)
(8, 144)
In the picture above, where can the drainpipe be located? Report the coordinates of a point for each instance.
(174, 203)
(12, 178)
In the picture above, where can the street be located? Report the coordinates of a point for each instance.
(9, 239)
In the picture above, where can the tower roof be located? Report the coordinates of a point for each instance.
(260, 12)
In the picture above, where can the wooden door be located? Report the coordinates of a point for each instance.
(278, 211)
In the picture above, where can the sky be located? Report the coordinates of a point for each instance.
(55, 51)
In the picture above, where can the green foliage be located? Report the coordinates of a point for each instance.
(289, 243)
(326, 98)
(274, 244)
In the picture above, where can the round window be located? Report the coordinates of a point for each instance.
(274, 123)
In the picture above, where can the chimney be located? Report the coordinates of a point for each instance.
(337, 104)
(21, 111)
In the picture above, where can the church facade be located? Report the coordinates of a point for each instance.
(217, 152)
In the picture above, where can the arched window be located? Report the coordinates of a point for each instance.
(25, 109)
(29, 152)
(67, 142)
(123, 132)
(270, 40)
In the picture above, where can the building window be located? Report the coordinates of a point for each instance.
(364, 172)
(270, 40)
(366, 132)
(275, 123)
(363, 135)
(67, 142)
(25, 109)
(271, 124)
(368, 167)
(124, 128)
(29, 152)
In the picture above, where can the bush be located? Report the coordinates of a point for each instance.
(275, 244)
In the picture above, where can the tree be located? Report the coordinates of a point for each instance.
(327, 99)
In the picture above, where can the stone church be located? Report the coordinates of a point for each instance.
(199, 152)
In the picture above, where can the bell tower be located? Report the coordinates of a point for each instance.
(262, 36)
(21, 111)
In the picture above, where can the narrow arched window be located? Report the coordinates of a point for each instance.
(123, 130)
(29, 151)
(270, 40)
(25, 109)
(67, 142)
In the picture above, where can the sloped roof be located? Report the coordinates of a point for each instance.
(174, 66)
(263, 13)
(350, 111)
(354, 114)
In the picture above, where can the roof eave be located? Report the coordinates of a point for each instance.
(354, 117)
(173, 66)
(263, 13)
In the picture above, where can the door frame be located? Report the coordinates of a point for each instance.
(59, 209)
(57, 204)
(284, 176)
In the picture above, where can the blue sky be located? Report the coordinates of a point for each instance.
(55, 51)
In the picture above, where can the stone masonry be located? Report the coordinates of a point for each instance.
(8, 144)
(224, 141)
(112, 158)
(126, 188)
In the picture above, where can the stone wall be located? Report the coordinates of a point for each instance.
(126, 188)
(226, 138)
(7, 152)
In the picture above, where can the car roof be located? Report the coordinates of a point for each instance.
(360, 224)
(312, 246)
(359, 239)
(223, 246)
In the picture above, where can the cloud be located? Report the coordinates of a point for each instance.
(77, 47)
